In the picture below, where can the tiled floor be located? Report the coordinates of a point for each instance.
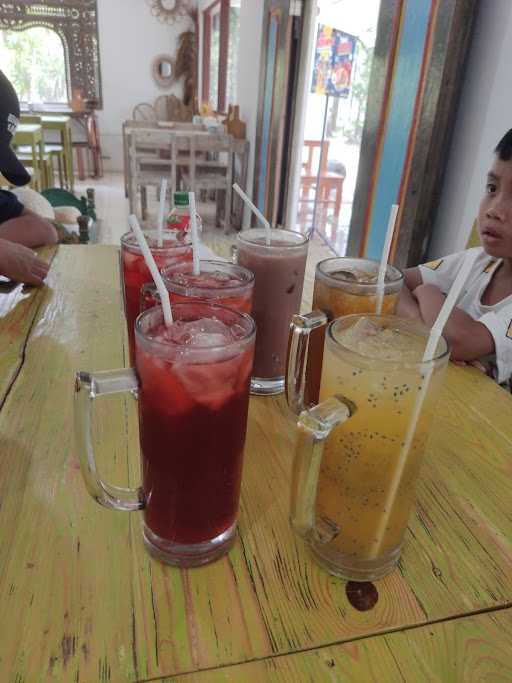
(112, 210)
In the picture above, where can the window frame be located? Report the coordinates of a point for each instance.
(76, 23)
(221, 104)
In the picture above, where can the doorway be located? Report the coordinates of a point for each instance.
(341, 61)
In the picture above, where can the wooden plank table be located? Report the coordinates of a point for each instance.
(82, 601)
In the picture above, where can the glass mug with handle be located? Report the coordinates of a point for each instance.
(220, 282)
(278, 269)
(359, 450)
(175, 250)
(343, 286)
(192, 383)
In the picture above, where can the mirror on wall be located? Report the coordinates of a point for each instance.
(163, 71)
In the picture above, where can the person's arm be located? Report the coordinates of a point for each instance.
(28, 229)
(468, 338)
(412, 278)
(407, 306)
(21, 264)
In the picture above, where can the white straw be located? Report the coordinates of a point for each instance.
(430, 349)
(161, 211)
(385, 258)
(446, 309)
(194, 233)
(150, 262)
(256, 212)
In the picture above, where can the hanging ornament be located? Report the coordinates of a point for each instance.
(168, 11)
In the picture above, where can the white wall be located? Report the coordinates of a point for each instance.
(129, 38)
(251, 29)
(484, 115)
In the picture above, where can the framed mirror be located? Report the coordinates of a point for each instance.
(163, 71)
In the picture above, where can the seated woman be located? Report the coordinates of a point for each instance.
(20, 229)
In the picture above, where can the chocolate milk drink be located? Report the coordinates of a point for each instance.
(279, 276)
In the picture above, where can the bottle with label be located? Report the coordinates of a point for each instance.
(179, 217)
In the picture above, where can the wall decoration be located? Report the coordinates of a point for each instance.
(75, 21)
(168, 11)
(186, 61)
(162, 69)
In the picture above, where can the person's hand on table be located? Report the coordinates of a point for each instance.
(486, 368)
(21, 263)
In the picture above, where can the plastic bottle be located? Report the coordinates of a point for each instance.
(179, 217)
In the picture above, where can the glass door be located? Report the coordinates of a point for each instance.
(343, 45)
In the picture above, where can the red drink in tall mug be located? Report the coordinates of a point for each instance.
(176, 249)
(218, 281)
(193, 405)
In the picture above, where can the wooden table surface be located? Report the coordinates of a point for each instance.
(82, 601)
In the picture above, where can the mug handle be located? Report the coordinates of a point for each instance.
(298, 341)
(148, 297)
(314, 425)
(88, 387)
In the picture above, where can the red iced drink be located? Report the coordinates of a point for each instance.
(218, 281)
(176, 249)
(193, 403)
(279, 276)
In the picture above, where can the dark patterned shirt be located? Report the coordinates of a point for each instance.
(10, 207)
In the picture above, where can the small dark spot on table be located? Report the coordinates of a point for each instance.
(362, 595)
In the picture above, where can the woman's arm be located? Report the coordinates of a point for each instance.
(29, 229)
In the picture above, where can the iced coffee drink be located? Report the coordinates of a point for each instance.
(279, 277)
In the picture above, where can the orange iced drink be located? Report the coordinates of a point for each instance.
(378, 366)
(349, 285)
(344, 286)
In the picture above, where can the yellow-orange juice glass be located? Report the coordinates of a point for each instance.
(349, 285)
(342, 286)
(358, 457)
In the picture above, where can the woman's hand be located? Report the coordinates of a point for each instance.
(21, 263)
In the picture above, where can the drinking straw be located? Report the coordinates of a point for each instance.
(194, 233)
(256, 212)
(161, 210)
(150, 262)
(385, 257)
(428, 355)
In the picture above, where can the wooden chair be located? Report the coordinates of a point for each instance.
(29, 145)
(144, 112)
(144, 165)
(329, 183)
(209, 166)
(92, 148)
(54, 151)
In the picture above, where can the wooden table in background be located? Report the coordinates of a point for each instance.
(82, 601)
